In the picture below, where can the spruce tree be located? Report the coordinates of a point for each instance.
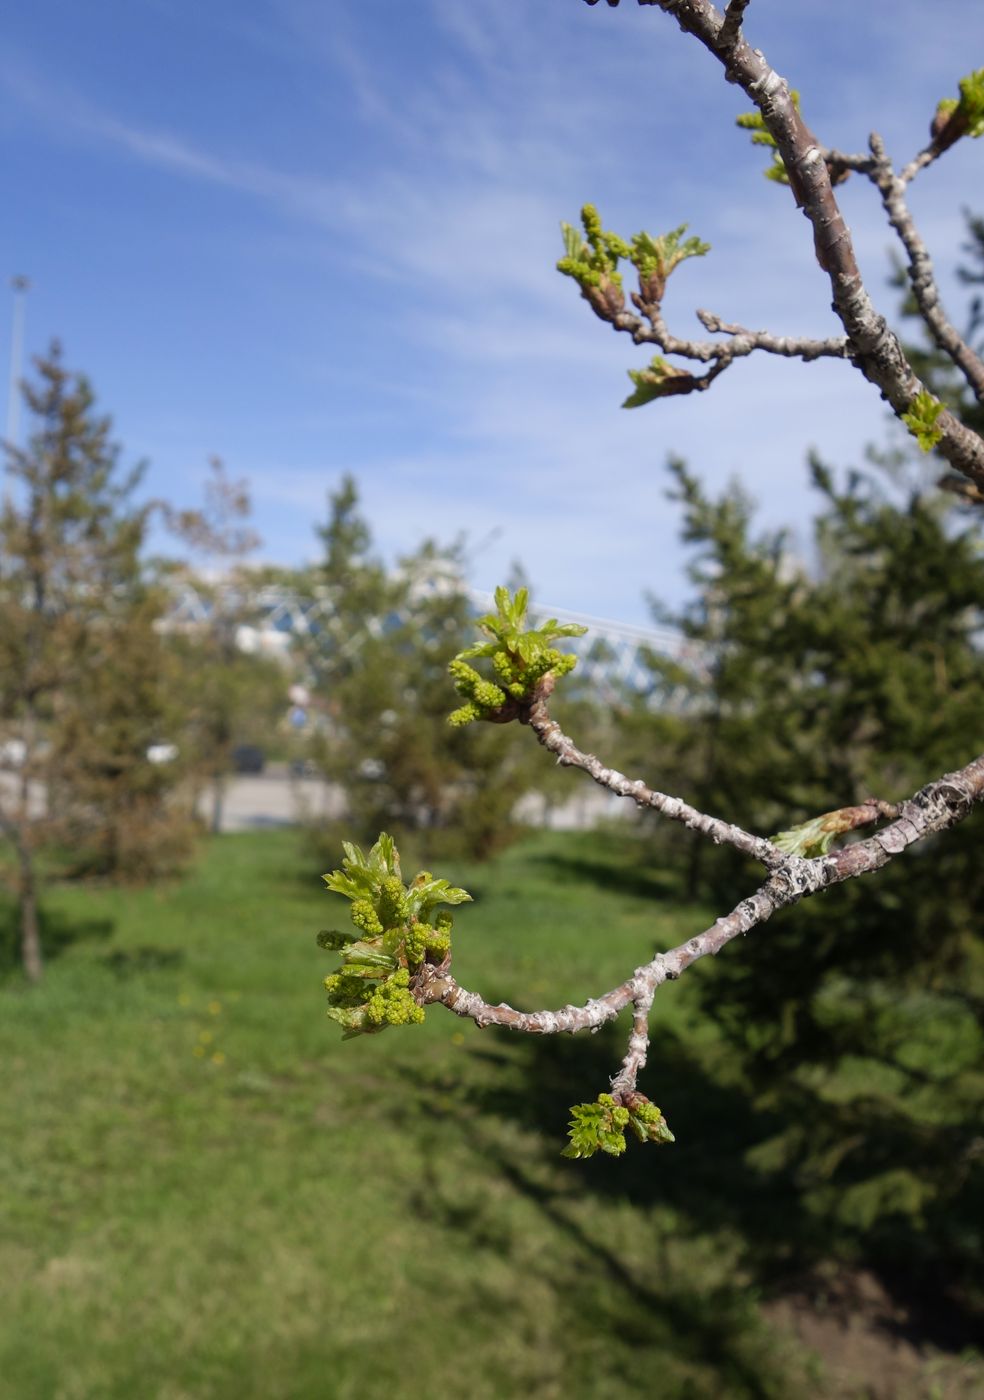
(379, 663)
(81, 694)
(813, 684)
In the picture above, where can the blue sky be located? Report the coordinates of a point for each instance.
(320, 237)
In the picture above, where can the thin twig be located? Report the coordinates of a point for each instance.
(742, 341)
(960, 486)
(937, 807)
(553, 738)
(731, 27)
(634, 1060)
(842, 160)
(892, 190)
(875, 349)
(720, 354)
(925, 157)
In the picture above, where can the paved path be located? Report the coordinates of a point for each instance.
(273, 798)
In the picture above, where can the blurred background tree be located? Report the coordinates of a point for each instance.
(82, 674)
(115, 777)
(815, 682)
(378, 663)
(234, 698)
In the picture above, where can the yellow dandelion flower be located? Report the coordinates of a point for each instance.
(218, 1058)
(215, 1008)
(199, 1050)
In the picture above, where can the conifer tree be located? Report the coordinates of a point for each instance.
(81, 693)
(816, 684)
(379, 663)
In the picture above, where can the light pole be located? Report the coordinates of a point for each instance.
(20, 286)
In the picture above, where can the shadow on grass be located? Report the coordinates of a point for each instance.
(703, 1176)
(133, 962)
(628, 1311)
(710, 1179)
(637, 1307)
(613, 876)
(58, 933)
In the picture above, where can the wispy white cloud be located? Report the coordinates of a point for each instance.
(478, 148)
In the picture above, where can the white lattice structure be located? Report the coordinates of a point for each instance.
(611, 654)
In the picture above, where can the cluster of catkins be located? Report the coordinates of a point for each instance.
(398, 928)
(521, 659)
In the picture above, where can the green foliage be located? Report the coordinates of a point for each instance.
(657, 381)
(816, 836)
(592, 260)
(647, 1122)
(373, 987)
(969, 109)
(434, 1155)
(971, 105)
(84, 680)
(921, 420)
(363, 876)
(655, 258)
(377, 668)
(761, 136)
(803, 688)
(597, 1126)
(230, 697)
(600, 1126)
(116, 812)
(593, 263)
(522, 659)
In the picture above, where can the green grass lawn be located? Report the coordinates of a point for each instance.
(205, 1193)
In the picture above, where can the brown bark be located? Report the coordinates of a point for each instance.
(29, 922)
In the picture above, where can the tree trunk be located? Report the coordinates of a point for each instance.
(218, 803)
(30, 927)
(27, 883)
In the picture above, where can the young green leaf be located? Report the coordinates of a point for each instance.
(593, 260)
(521, 659)
(964, 117)
(655, 258)
(372, 986)
(921, 419)
(600, 1126)
(816, 836)
(658, 381)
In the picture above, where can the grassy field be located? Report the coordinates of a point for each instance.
(205, 1193)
